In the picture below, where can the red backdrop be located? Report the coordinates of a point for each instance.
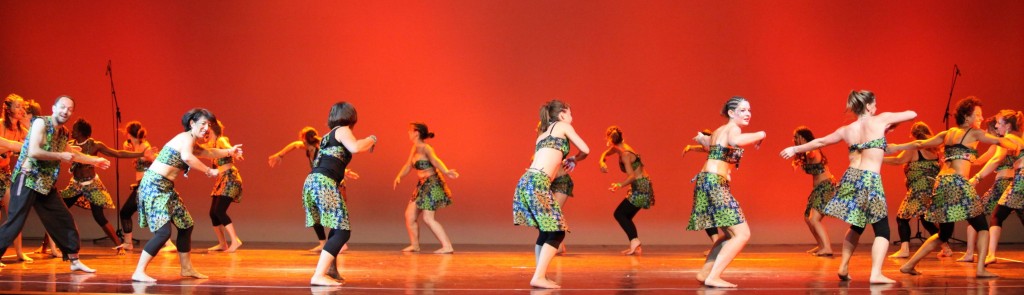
(476, 73)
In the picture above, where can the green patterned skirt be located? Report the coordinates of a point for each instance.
(324, 203)
(432, 193)
(159, 203)
(991, 198)
(820, 196)
(1013, 197)
(88, 193)
(713, 204)
(5, 180)
(859, 200)
(641, 194)
(229, 184)
(562, 184)
(954, 200)
(533, 205)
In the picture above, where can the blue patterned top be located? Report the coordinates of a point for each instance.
(172, 157)
(878, 143)
(731, 155)
(422, 165)
(44, 173)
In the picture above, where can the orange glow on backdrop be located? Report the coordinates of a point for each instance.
(477, 71)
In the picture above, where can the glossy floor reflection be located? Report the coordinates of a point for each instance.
(381, 269)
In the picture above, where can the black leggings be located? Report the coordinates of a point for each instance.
(624, 215)
(131, 205)
(946, 229)
(338, 238)
(219, 210)
(1002, 212)
(711, 231)
(903, 227)
(97, 211)
(163, 234)
(319, 230)
(553, 238)
(881, 228)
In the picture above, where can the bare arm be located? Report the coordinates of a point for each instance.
(35, 144)
(570, 133)
(104, 149)
(986, 156)
(438, 163)
(903, 158)
(743, 139)
(605, 154)
(990, 166)
(1003, 142)
(817, 143)
(188, 155)
(214, 153)
(934, 141)
(891, 118)
(405, 168)
(630, 173)
(347, 139)
(276, 158)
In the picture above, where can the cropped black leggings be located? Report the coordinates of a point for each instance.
(1002, 212)
(553, 238)
(903, 227)
(624, 215)
(946, 229)
(881, 228)
(163, 234)
(337, 238)
(130, 206)
(97, 211)
(219, 210)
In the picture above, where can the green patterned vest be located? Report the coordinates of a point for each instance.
(43, 174)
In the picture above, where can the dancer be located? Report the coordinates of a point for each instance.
(702, 138)
(11, 136)
(85, 189)
(533, 204)
(860, 198)
(1009, 184)
(431, 192)
(35, 174)
(954, 199)
(136, 142)
(823, 183)
(921, 166)
(309, 141)
(713, 204)
(227, 190)
(641, 193)
(160, 206)
(321, 193)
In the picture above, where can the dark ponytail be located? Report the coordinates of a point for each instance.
(422, 130)
(549, 114)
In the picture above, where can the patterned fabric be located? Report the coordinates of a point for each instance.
(731, 155)
(5, 180)
(636, 164)
(859, 200)
(533, 205)
(432, 193)
(1013, 197)
(1008, 160)
(562, 184)
(141, 165)
(224, 161)
(159, 203)
(878, 143)
(713, 204)
(324, 203)
(229, 184)
(954, 199)
(960, 152)
(920, 180)
(558, 143)
(813, 168)
(172, 157)
(422, 165)
(44, 173)
(332, 157)
(820, 196)
(641, 193)
(991, 197)
(88, 193)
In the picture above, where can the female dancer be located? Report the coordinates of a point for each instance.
(309, 141)
(431, 192)
(159, 203)
(954, 199)
(814, 162)
(641, 193)
(988, 203)
(702, 138)
(85, 189)
(533, 204)
(860, 198)
(11, 135)
(1009, 184)
(321, 193)
(136, 142)
(227, 190)
(921, 168)
(713, 204)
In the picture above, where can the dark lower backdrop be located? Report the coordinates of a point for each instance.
(477, 71)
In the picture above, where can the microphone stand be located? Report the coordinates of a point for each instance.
(945, 115)
(117, 171)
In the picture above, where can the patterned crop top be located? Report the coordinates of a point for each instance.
(332, 158)
(558, 143)
(223, 161)
(813, 168)
(422, 165)
(172, 158)
(141, 165)
(636, 164)
(878, 143)
(960, 151)
(1007, 162)
(731, 155)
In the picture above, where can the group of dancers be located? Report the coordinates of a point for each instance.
(940, 188)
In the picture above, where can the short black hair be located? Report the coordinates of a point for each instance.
(82, 127)
(342, 114)
(194, 115)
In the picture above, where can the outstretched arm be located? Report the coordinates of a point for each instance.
(693, 147)
(104, 149)
(983, 159)
(743, 139)
(189, 156)
(990, 166)
(604, 155)
(891, 118)
(276, 158)
(817, 143)
(438, 163)
(903, 158)
(405, 168)
(934, 141)
(570, 133)
(347, 139)
(1003, 142)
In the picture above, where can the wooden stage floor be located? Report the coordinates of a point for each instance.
(279, 268)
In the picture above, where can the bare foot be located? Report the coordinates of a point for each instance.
(880, 279)
(989, 259)
(412, 248)
(823, 253)
(706, 252)
(561, 250)
(169, 248)
(193, 273)
(966, 258)
(344, 247)
(701, 276)
(813, 250)
(444, 251)
(126, 246)
(545, 284)
(121, 252)
(900, 254)
(218, 247)
(323, 281)
(77, 265)
(234, 246)
(142, 277)
(318, 248)
(945, 252)
(634, 248)
(24, 257)
(844, 277)
(910, 271)
(718, 283)
(334, 274)
(985, 274)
